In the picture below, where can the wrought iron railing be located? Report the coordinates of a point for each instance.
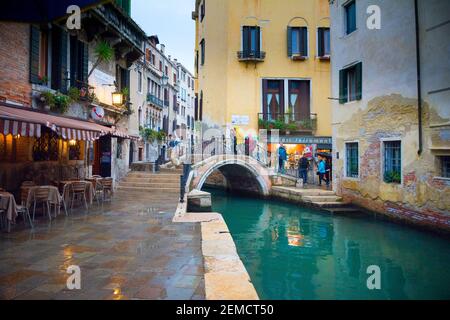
(156, 101)
(251, 55)
(287, 121)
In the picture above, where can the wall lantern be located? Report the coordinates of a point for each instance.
(117, 99)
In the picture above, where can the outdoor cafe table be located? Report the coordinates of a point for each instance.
(89, 190)
(53, 194)
(8, 203)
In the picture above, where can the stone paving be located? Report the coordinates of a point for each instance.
(124, 252)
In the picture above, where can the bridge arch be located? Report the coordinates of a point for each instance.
(240, 170)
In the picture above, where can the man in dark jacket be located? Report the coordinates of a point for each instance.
(303, 166)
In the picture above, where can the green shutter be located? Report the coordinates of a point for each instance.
(304, 41)
(289, 41)
(258, 39)
(34, 54)
(359, 81)
(320, 42)
(343, 89)
(245, 40)
(85, 64)
(63, 57)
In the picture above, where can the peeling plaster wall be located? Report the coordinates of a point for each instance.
(389, 109)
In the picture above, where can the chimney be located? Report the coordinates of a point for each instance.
(162, 48)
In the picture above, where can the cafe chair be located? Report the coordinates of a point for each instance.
(41, 196)
(79, 193)
(23, 209)
(107, 184)
(99, 192)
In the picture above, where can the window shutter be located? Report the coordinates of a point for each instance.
(359, 81)
(258, 40)
(320, 42)
(245, 39)
(34, 54)
(63, 57)
(343, 86)
(289, 41)
(304, 41)
(85, 62)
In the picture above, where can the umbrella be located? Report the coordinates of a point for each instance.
(41, 11)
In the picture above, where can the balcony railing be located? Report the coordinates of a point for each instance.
(251, 55)
(288, 122)
(154, 100)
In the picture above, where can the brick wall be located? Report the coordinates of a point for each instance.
(14, 62)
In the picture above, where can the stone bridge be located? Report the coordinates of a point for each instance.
(242, 174)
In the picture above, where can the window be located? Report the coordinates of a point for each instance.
(323, 35)
(297, 42)
(352, 160)
(202, 11)
(140, 81)
(445, 166)
(75, 151)
(78, 63)
(45, 148)
(392, 162)
(350, 17)
(202, 50)
(166, 70)
(174, 77)
(140, 117)
(160, 66)
(350, 83)
(153, 59)
(119, 148)
(251, 40)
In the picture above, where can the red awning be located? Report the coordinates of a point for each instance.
(28, 123)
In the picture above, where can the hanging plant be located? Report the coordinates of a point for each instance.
(61, 104)
(103, 53)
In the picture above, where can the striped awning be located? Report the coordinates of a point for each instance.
(29, 123)
(25, 129)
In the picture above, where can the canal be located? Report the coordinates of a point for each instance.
(297, 253)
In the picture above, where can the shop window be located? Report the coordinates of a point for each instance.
(352, 160)
(119, 148)
(75, 150)
(3, 150)
(445, 166)
(392, 162)
(45, 148)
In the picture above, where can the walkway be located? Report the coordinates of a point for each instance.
(124, 252)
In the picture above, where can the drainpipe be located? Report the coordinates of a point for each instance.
(419, 84)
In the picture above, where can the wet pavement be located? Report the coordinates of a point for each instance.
(123, 251)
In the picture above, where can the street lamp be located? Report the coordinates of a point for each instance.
(164, 81)
(117, 98)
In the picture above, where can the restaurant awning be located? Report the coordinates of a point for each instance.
(29, 123)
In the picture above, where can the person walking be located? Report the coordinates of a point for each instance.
(282, 157)
(322, 171)
(303, 166)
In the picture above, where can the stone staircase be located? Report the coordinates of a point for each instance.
(162, 185)
(319, 198)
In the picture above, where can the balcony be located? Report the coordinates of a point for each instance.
(251, 56)
(288, 122)
(154, 100)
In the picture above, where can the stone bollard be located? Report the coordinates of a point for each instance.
(199, 201)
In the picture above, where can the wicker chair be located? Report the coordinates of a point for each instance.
(79, 192)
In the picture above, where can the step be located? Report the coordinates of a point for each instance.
(321, 198)
(152, 179)
(142, 190)
(329, 204)
(151, 174)
(150, 185)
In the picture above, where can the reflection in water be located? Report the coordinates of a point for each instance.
(297, 253)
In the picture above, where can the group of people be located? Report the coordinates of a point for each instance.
(323, 166)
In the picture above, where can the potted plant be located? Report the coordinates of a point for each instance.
(48, 100)
(61, 104)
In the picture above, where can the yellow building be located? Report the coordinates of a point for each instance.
(265, 64)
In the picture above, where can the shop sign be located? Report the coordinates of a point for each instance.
(302, 140)
(238, 120)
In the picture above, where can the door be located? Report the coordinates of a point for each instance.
(299, 100)
(273, 99)
(131, 152)
(105, 156)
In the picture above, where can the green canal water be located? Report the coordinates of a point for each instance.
(296, 253)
